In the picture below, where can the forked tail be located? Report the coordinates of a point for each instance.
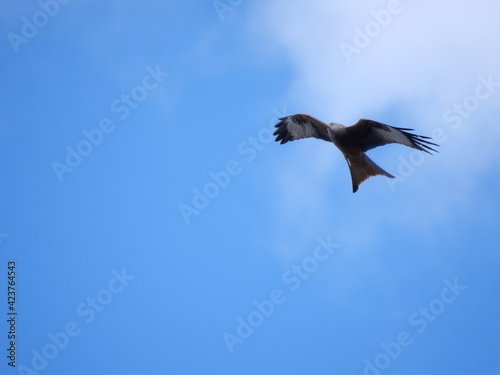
(362, 168)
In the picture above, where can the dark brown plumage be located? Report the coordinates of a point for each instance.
(353, 141)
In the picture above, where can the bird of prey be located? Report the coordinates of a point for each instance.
(353, 141)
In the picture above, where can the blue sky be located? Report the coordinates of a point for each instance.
(157, 227)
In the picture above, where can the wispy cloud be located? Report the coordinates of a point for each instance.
(416, 68)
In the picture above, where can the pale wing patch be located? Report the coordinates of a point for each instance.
(299, 131)
(392, 135)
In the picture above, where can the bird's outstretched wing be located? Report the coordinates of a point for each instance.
(374, 134)
(300, 126)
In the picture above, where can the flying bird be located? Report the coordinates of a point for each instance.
(353, 141)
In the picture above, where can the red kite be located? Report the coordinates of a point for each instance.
(353, 141)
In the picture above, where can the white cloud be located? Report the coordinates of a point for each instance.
(429, 51)
(425, 60)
